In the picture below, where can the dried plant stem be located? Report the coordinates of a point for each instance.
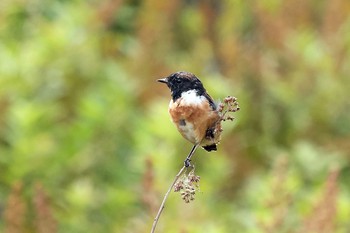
(170, 188)
(165, 198)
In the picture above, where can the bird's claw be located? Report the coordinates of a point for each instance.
(187, 163)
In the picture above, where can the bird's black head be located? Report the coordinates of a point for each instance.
(182, 81)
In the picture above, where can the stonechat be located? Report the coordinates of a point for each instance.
(193, 111)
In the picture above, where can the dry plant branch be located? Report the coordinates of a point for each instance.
(155, 222)
(165, 198)
(230, 105)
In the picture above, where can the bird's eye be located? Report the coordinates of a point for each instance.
(179, 80)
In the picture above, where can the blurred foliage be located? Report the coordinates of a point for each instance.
(86, 144)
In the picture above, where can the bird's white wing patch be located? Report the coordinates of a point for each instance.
(191, 98)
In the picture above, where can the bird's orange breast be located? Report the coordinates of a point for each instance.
(193, 119)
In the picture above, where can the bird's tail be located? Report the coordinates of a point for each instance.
(209, 148)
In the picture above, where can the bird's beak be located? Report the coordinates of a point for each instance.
(163, 80)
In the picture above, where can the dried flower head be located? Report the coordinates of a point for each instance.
(229, 105)
(187, 185)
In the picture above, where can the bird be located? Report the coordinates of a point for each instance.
(194, 113)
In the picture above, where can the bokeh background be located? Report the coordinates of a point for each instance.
(86, 143)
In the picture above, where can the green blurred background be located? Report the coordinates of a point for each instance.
(86, 143)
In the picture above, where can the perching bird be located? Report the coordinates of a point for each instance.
(193, 111)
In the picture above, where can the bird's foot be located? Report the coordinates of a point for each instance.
(187, 163)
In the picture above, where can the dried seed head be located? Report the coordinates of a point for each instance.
(187, 185)
(230, 104)
(178, 186)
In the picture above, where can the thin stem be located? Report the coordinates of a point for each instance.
(170, 188)
(165, 198)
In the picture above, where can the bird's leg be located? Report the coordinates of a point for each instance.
(187, 161)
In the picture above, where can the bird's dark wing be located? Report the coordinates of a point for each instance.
(211, 101)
